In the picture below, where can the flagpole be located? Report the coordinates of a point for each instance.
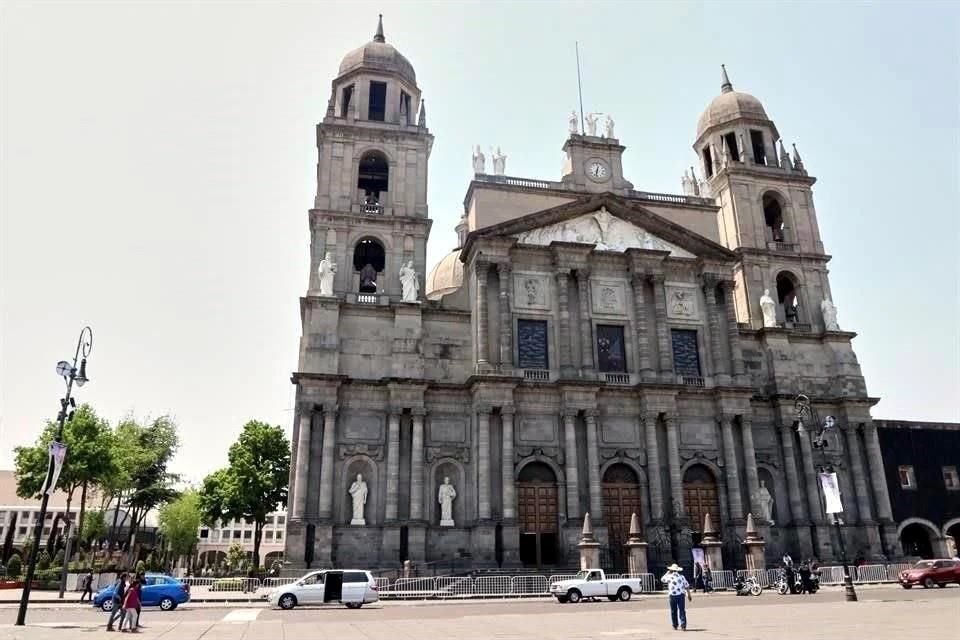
(583, 127)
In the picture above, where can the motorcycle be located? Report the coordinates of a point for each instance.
(795, 582)
(748, 587)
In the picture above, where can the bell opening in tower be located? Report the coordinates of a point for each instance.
(368, 260)
(707, 162)
(378, 101)
(373, 177)
(731, 141)
(773, 216)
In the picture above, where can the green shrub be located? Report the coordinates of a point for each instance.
(58, 559)
(141, 567)
(43, 560)
(14, 566)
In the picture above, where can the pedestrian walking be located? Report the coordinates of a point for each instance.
(677, 588)
(141, 580)
(87, 585)
(119, 590)
(707, 579)
(131, 608)
(698, 577)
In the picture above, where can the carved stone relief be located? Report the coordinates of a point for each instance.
(608, 297)
(433, 454)
(531, 291)
(682, 303)
(637, 455)
(554, 453)
(374, 452)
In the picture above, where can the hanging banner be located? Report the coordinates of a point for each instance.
(698, 558)
(58, 451)
(831, 492)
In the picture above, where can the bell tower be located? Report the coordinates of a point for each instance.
(370, 209)
(766, 209)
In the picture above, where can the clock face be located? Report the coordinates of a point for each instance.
(598, 170)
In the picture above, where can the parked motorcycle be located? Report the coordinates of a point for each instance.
(793, 582)
(747, 587)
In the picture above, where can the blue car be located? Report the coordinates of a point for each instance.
(158, 591)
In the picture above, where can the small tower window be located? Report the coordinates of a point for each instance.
(373, 176)
(759, 151)
(707, 161)
(773, 216)
(732, 148)
(378, 101)
(787, 294)
(345, 102)
(369, 260)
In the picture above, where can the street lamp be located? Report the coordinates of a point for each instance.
(821, 441)
(71, 374)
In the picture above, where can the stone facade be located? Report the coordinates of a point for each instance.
(587, 348)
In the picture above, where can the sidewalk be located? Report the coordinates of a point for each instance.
(197, 594)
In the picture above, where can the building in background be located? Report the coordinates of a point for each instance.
(922, 463)
(213, 542)
(586, 347)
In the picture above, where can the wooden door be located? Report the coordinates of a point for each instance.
(537, 511)
(701, 498)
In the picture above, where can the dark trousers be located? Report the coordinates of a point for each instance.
(87, 593)
(115, 613)
(678, 611)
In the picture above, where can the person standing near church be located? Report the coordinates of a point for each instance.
(677, 588)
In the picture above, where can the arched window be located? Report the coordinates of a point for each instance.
(369, 260)
(787, 295)
(773, 216)
(373, 177)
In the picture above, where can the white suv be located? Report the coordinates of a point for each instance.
(351, 587)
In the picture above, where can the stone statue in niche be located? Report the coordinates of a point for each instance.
(769, 309)
(572, 122)
(410, 282)
(499, 162)
(609, 126)
(766, 502)
(326, 272)
(445, 497)
(368, 279)
(479, 161)
(358, 493)
(829, 311)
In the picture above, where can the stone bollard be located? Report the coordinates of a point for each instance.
(712, 545)
(754, 547)
(636, 548)
(589, 547)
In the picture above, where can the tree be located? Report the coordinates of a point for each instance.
(236, 556)
(179, 522)
(89, 461)
(253, 484)
(94, 527)
(14, 566)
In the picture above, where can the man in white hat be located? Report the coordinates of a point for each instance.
(677, 587)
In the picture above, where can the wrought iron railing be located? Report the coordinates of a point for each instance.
(693, 381)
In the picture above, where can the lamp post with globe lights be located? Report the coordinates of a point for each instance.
(821, 442)
(71, 374)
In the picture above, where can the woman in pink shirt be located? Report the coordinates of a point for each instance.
(131, 602)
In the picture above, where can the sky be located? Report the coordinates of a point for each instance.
(157, 161)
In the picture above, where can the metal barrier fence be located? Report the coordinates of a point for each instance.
(760, 575)
(871, 573)
(893, 570)
(233, 585)
(831, 575)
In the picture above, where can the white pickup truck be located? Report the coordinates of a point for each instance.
(593, 583)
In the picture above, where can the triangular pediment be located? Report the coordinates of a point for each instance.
(602, 229)
(608, 222)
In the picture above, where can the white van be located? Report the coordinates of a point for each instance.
(351, 587)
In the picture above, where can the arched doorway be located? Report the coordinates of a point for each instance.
(787, 295)
(773, 216)
(621, 499)
(915, 541)
(700, 495)
(373, 177)
(537, 514)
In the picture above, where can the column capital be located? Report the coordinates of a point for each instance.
(504, 268)
(726, 419)
(331, 411)
(583, 272)
(638, 278)
(483, 409)
(709, 279)
(508, 410)
(746, 421)
(670, 419)
(658, 277)
(591, 414)
(481, 267)
(649, 417)
(569, 412)
(869, 427)
(418, 412)
(562, 273)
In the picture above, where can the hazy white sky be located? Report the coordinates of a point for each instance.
(158, 161)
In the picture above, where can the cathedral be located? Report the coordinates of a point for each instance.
(587, 348)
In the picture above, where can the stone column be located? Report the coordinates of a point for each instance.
(506, 321)
(393, 464)
(653, 467)
(416, 467)
(878, 477)
(730, 468)
(326, 464)
(864, 509)
(586, 328)
(593, 466)
(300, 487)
(640, 312)
(720, 367)
(663, 336)
(506, 467)
(673, 459)
(810, 473)
(483, 462)
(750, 462)
(483, 349)
(733, 331)
(563, 340)
(570, 465)
(793, 480)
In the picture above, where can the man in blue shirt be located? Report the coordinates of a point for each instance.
(677, 587)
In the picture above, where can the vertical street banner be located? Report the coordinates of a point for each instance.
(58, 451)
(697, 553)
(831, 492)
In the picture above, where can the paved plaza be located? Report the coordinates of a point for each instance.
(882, 613)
